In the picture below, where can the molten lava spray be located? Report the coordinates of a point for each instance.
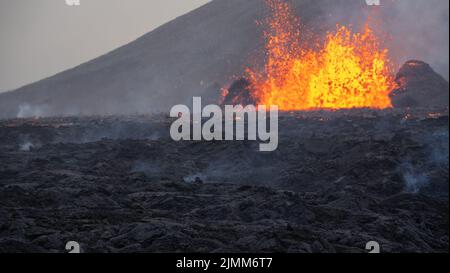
(349, 70)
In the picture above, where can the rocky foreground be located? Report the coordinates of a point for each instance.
(120, 184)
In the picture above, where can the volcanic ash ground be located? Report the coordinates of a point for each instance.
(120, 184)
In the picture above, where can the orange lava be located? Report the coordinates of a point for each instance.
(349, 70)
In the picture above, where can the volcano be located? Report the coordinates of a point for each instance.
(347, 170)
(193, 55)
(420, 86)
(350, 69)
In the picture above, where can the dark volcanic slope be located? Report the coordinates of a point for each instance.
(420, 86)
(337, 181)
(190, 55)
(195, 54)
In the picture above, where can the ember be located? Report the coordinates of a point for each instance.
(350, 70)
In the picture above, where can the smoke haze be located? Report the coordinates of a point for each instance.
(193, 55)
(43, 37)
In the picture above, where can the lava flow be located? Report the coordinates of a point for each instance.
(348, 70)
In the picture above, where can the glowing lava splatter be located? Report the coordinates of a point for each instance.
(349, 70)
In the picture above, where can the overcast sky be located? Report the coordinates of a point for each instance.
(39, 38)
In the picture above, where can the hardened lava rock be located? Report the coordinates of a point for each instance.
(420, 86)
(120, 184)
(239, 93)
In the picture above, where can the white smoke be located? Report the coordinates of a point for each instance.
(413, 177)
(419, 30)
(29, 111)
(195, 178)
(411, 29)
(26, 147)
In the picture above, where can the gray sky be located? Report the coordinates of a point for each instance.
(39, 38)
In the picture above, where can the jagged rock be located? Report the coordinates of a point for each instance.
(129, 195)
(239, 93)
(420, 86)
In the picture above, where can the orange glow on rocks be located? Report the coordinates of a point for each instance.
(348, 70)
